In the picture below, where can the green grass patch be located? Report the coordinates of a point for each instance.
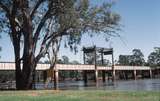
(88, 95)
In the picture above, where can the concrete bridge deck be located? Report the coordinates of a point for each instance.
(42, 67)
(10, 66)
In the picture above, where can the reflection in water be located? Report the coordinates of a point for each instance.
(133, 85)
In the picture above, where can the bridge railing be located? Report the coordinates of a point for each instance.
(7, 66)
(74, 67)
(11, 66)
(104, 67)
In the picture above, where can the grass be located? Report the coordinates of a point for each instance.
(89, 95)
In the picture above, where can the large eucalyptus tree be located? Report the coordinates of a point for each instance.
(36, 25)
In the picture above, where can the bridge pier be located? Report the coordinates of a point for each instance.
(44, 76)
(55, 79)
(85, 77)
(150, 73)
(104, 76)
(113, 69)
(96, 76)
(135, 74)
(113, 75)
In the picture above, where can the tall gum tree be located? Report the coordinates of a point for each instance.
(154, 58)
(35, 26)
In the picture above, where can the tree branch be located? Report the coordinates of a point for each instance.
(41, 24)
(50, 39)
(36, 7)
(4, 8)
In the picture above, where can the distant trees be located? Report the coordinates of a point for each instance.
(137, 58)
(65, 60)
(124, 59)
(68, 74)
(7, 76)
(89, 59)
(154, 57)
(74, 62)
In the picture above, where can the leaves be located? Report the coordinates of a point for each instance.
(154, 57)
(69, 17)
(137, 58)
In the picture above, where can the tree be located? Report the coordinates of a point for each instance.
(0, 47)
(75, 62)
(36, 26)
(90, 58)
(137, 58)
(124, 59)
(65, 60)
(66, 74)
(154, 57)
(6, 76)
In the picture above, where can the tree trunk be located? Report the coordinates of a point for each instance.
(28, 73)
(18, 72)
(29, 63)
(24, 76)
(24, 73)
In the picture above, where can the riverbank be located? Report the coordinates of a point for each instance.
(81, 95)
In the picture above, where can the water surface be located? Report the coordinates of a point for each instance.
(130, 85)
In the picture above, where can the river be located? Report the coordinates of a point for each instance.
(129, 85)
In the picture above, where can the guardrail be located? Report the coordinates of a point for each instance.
(11, 66)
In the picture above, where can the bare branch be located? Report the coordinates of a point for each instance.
(41, 24)
(4, 8)
(39, 2)
(47, 42)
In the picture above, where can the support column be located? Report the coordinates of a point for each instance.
(103, 71)
(85, 77)
(34, 79)
(56, 79)
(113, 69)
(135, 74)
(95, 64)
(38, 77)
(150, 73)
(104, 76)
(114, 75)
(44, 76)
(96, 76)
(84, 72)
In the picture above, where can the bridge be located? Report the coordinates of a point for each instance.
(10, 66)
(6, 66)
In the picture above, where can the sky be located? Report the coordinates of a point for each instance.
(140, 21)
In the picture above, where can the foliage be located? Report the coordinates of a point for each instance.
(74, 62)
(0, 46)
(124, 59)
(89, 59)
(137, 58)
(36, 28)
(68, 74)
(65, 59)
(154, 57)
(6, 76)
